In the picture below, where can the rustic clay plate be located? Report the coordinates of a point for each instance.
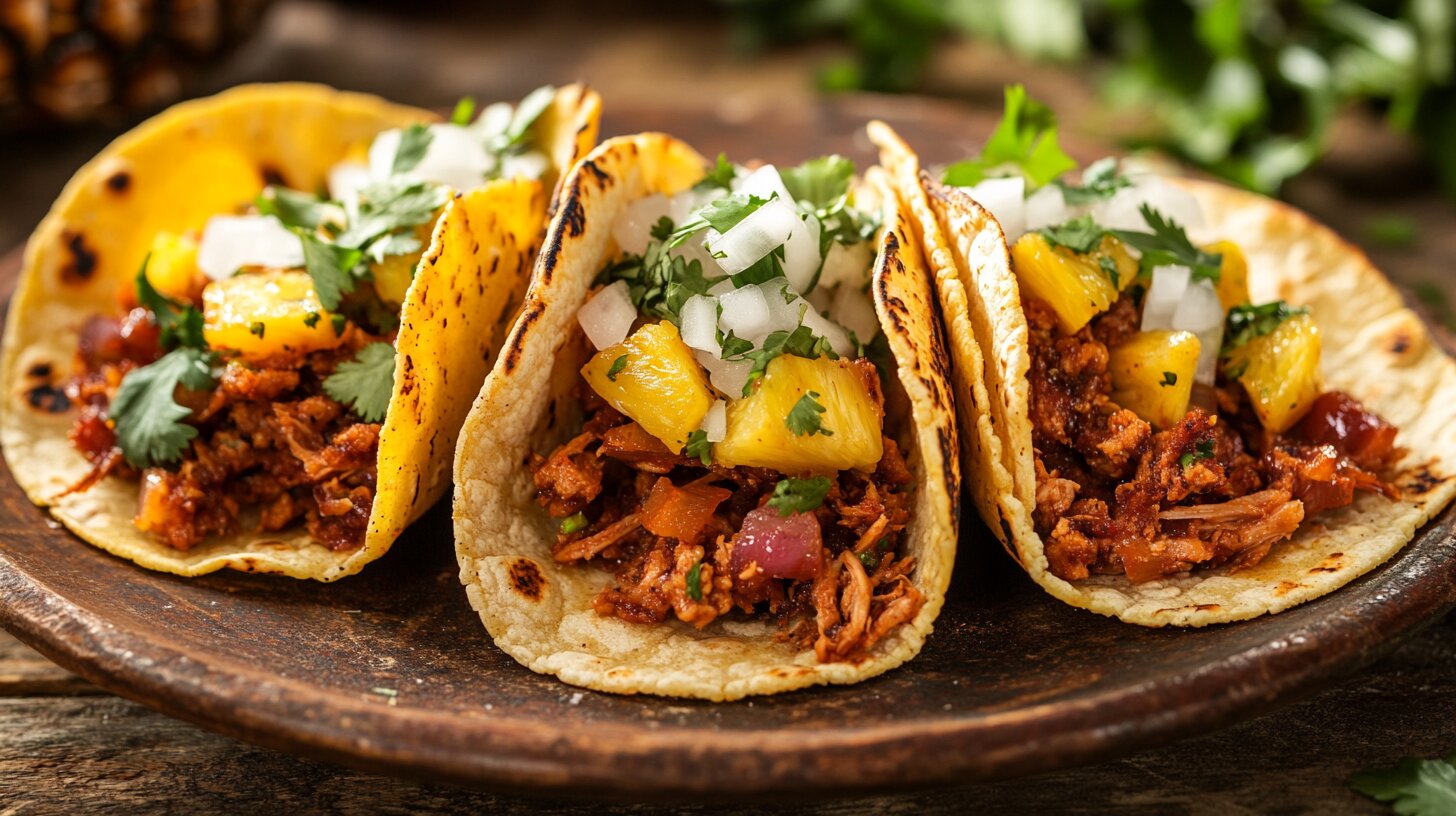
(390, 670)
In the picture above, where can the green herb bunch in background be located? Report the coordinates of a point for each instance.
(1245, 88)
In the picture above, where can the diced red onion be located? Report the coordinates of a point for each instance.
(781, 547)
(715, 422)
(1201, 312)
(608, 316)
(230, 242)
(1005, 198)
(764, 230)
(1164, 294)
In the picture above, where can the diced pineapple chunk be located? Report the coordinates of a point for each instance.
(258, 315)
(659, 383)
(1076, 286)
(1233, 274)
(172, 267)
(1152, 375)
(1280, 371)
(393, 277)
(758, 430)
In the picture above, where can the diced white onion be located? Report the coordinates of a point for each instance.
(722, 287)
(824, 327)
(715, 422)
(347, 178)
(765, 182)
(230, 242)
(700, 323)
(745, 313)
(801, 254)
(1122, 211)
(1005, 198)
(1044, 208)
(784, 314)
(847, 264)
(764, 230)
(531, 165)
(633, 227)
(728, 376)
(455, 157)
(608, 316)
(853, 309)
(1164, 294)
(1201, 312)
(494, 119)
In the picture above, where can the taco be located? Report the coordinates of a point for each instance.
(245, 334)
(1203, 406)
(717, 456)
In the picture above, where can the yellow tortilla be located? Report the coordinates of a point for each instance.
(1375, 348)
(213, 156)
(540, 611)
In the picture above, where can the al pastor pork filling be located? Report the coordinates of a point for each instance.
(733, 458)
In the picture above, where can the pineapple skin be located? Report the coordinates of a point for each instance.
(282, 302)
(1140, 369)
(1281, 372)
(758, 434)
(661, 386)
(1074, 285)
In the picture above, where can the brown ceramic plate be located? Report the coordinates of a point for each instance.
(390, 670)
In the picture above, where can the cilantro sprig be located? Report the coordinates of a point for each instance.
(1024, 142)
(1413, 787)
(1204, 450)
(366, 382)
(801, 342)
(804, 418)
(1247, 322)
(1168, 245)
(699, 447)
(180, 324)
(149, 422)
(792, 496)
(1100, 181)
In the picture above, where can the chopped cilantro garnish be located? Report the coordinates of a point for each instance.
(1168, 245)
(1100, 181)
(179, 324)
(721, 214)
(1025, 142)
(734, 346)
(573, 523)
(365, 382)
(1204, 450)
(464, 111)
(413, 142)
(311, 319)
(792, 496)
(695, 582)
(1247, 322)
(527, 111)
(616, 367)
(658, 282)
(1109, 268)
(257, 327)
(821, 182)
(1413, 787)
(1081, 235)
(331, 267)
(390, 205)
(662, 230)
(698, 446)
(293, 208)
(720, 177)
(801, 342)
(338, 321)
(1169, 378)
(804, 419)
(870, 559)
(149, 427)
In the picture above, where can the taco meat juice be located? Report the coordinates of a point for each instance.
(732, 455)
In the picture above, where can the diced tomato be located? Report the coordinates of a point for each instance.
(683, 513)
(1338, 420)
(134, 337)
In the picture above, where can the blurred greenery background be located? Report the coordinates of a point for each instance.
(1247, 89)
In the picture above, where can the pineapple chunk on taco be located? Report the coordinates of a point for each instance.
(717, 455)
(1202, 406)
(247, 332)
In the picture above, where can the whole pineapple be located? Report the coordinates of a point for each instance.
(78, 60)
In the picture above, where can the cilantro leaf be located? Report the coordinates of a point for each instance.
(662, 230)
(149, 427)
(1247, 321)
(331, 267)
(1414, 787)
(1100, 181)
(734, 346)
(792, 496)
(413, 142)
(1081, 235)
(366, 382)
(1168, 245)
(1169, 378)
(699, 446)
(390, 205)
(464, 111)
(1204, 450)
(179, 324)
(720, 177)
(821, 181)
(721, 214)
(616, 367)
(695, 582)
(293, 208)
(527, 111)
(804, 419)
(1025, 141)
(801, 342)
(573, 523)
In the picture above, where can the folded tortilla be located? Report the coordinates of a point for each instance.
(540, 611)
(1374, 348)
(212, 156)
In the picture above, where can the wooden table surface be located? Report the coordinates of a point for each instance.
(68, 747)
